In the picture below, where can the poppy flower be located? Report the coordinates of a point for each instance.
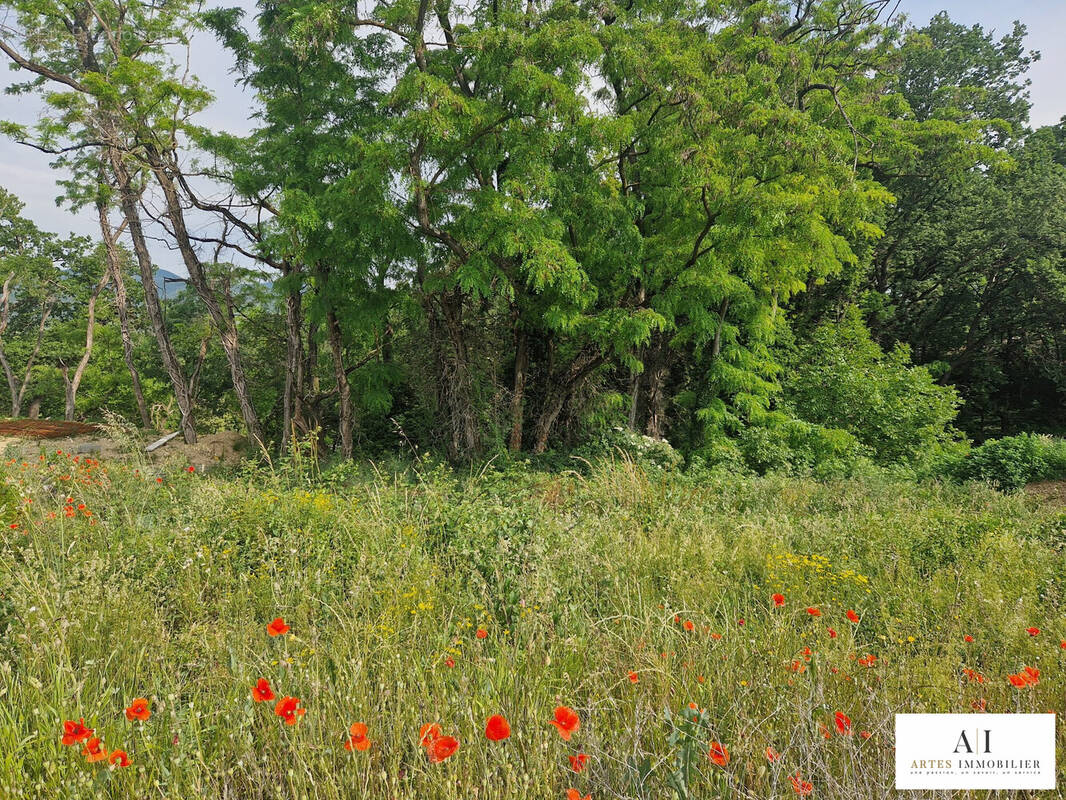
(277, 627)
(118, 758)
(716, 636)
(800, 786)
(633, 677)
(771, 754)
(287, 709)
(440, 748)
(577, 763)
(779, 600)
(481, 633)
(1062, 644)
(826, 733)
(865, 734)
(574, 794)
(94, 751)
(718, 754)
(138, 709)
(427, 733)
(814, 612)
(1032, 676)
(843, 723)
(967, 638)
(851, 615)
(449, 662)
(261, 692)
(497, 728)
(689, 625)
(980, 704)
(357, 738)
(74, 732)
(868, 660)
(1016, 681)
(1033, 631)
(832, 634)
(567, 721)
(740, 621)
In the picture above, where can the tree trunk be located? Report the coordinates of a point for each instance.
(657, 368)
(128, 199)
(559, 391)
(454, 374)
(71, 384)
(118, 280)
(294, 375)
(521, 365)
(224, 323)
(344, 389)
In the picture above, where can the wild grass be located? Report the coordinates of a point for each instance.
(162, 590)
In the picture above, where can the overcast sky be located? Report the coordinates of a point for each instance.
(26, 172)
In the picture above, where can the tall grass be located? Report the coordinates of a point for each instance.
(163, 590)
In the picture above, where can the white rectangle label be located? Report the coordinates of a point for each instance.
(975, 751)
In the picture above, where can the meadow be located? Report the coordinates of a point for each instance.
(644, 634)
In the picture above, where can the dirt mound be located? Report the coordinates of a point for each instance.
(215, 449)
(45, 428)
(1048, 492)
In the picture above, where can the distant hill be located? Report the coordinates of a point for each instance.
(171, 287)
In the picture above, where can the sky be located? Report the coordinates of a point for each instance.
(27, 173)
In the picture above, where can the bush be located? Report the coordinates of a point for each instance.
(1009, 463)
(842, 379)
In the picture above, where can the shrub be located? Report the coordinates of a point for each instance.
(842, 379)
(1009, 463)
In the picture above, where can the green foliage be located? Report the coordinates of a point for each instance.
(1011, 462)
(840, 378)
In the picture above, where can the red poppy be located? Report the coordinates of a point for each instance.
(261, 692)
(980, 704)
(357, 738)
(94, 751)
(868, 660)
(1016, 681)
(1062, 645)
(577, 763)
(497, 728)
(138, 709)
(1032, 631)
(800, 786)
(481, 633)
(740, 621)
(814, 612)
(779, 600)
(865, 734)
(74, 732)
(718, 754)
(832, 634)
(716, 636)
(826, 733)
(449, 662)
(118, 758)
(633, 677)
(843, 723)
(427, 733)
(851, 615)
(566, 720)
(967, 638)
(689, 625)
(287, 709)
(1032, 676)
(574, 794)
(277, 627)
(771, 754)
(440, 748)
